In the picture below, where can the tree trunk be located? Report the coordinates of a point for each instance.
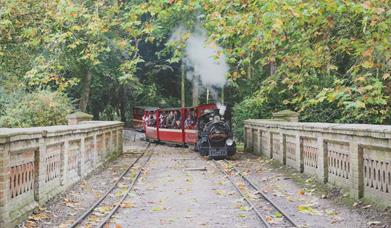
(273, 68)
(195, 92)
(123, 103)
(85, 91)
(183, 78)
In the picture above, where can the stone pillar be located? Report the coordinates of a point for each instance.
(78, 117)
(64, 163)
(245, 137)
(299, 153)
(323, 168)
(120, 140)
(105, 149)
(286, 115)
(283, 147)
(4, 181)
(269, 140)
(40, 170)
(258, 141)
(111, 143)
(95, 157)
(357, 176)
(80, 163)
(250, 139)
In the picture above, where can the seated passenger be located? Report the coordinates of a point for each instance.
(177, 120)
(161, 120)
(170, 120)
(189, 121)
(152, 121)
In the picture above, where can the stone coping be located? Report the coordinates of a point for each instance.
(369, 130)
(15, 134)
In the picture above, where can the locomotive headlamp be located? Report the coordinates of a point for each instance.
(229, 142)
(217, 118)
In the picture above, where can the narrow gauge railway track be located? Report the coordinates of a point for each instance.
(116, 205)
(287, 220)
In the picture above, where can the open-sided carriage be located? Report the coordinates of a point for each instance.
(138, 115)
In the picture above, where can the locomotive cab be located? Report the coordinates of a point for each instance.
(215, 138)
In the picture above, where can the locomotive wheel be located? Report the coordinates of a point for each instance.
(204, 153)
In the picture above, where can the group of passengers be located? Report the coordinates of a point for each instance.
(170, 119)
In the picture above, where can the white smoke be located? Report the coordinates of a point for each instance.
(205, 62)
(207, 59)
(221, 108)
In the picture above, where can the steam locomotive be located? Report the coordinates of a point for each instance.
(215, 138)
(205, 127)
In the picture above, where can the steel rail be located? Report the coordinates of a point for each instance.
(252, 206)
(90, 209)
(261, 193)
(131, 186)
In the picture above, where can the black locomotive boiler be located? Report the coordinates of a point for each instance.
(215, 137)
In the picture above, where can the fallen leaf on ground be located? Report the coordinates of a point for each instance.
(39, 216)
(331, 212)
(301, 192)
(244, 208)
(63, 225)
(156, 209)
(70, 203)
(307, 209)
(242, 186)
(277, 215)
(121, 192)
(127, 204)
(220, 192)
(104, 209)
(367, 206)
(269, 219)
(242, 216)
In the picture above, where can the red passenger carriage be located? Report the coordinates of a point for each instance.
(174, 125)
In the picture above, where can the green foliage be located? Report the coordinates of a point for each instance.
(328, 60)
(40, 108)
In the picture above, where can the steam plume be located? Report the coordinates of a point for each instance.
(205, 61)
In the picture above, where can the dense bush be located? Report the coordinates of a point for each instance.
(40, 108)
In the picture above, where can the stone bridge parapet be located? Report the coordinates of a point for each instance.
(356, 157)
(38, 163)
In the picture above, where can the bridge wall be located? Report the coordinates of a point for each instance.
(38, 163)
(352, 156)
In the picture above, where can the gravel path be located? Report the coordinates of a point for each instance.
(171, 194)
(179, 188)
